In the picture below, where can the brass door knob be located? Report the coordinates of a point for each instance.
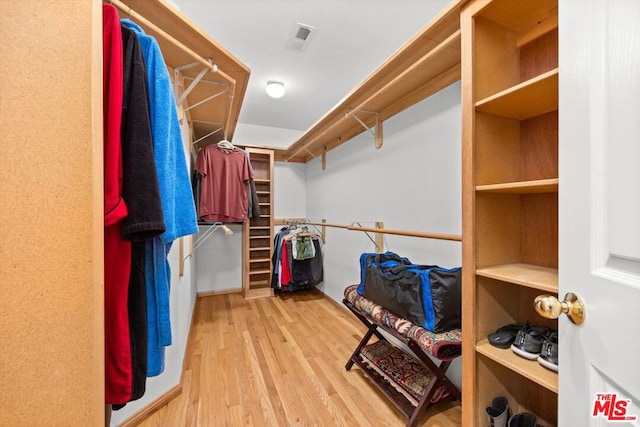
(548, 306)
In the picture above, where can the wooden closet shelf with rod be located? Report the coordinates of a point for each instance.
(190, 54)
(427, 235)
(378, 230)
(424, 65)
(145, 22)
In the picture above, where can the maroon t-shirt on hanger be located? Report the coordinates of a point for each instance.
(225, 175)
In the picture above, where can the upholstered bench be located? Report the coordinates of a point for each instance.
(411, 383)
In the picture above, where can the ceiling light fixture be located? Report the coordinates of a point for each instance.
(275, 88)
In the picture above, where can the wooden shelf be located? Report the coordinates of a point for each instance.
(427, 63)
(256, 272)
(532, 276)
(529, 369)
(211, 114)
(525, 100)
(522, 187)
(257, 260)
(510, 197)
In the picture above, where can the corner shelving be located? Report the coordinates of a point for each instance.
(258, 231)
(510, 197)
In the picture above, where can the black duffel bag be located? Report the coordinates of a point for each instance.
(426, 295)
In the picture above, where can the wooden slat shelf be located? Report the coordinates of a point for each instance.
(427, 63)
(260, 260)
(522, 187)
(532, 276)
(259, 231)
(525, 100)
(219, 109)
(530, 369)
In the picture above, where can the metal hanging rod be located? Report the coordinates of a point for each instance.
(207, 135)
(215, 95)
(213, 227)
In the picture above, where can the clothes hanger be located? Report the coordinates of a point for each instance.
(225, 144)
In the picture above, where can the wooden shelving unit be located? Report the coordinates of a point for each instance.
(258, 232)
(427, 63)
(510, 197)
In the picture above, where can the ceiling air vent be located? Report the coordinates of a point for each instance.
(300, 36)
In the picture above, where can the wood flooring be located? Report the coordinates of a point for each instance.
(279, 361)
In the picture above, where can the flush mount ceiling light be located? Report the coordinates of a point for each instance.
(275, 88)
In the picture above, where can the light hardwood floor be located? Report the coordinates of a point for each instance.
(279, 361)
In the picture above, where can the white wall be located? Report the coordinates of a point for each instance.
(412, 183)
(290, 196)
(218, 260)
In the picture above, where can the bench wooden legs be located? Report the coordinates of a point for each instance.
(398, 399)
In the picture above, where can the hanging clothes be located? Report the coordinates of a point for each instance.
(224, 176)
(178, 207)
(252, 194)
(297, 260)
(142, 194)
(117, 251)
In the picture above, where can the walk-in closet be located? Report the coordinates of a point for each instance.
(338, 213)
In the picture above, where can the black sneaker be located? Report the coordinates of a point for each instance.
(549, 353)
(528, 342)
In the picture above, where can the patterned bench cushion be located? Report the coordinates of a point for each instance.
(445, 346)
(408, 376)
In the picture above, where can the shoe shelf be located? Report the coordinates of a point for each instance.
(528, 99)
(522, 187)
(533, 276)
(530, 369)
(258, 232)
(510, 197)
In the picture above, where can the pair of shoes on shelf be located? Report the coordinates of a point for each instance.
(499, 415)
(539, 344)
(506, 335)
(530, 342)
(548, 356)
(535, 343)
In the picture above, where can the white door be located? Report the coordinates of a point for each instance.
(599, 223)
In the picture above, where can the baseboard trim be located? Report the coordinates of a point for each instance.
(172, 393)
(153, 407)
(220, 292)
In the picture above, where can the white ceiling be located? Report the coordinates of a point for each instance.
(352, 39)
